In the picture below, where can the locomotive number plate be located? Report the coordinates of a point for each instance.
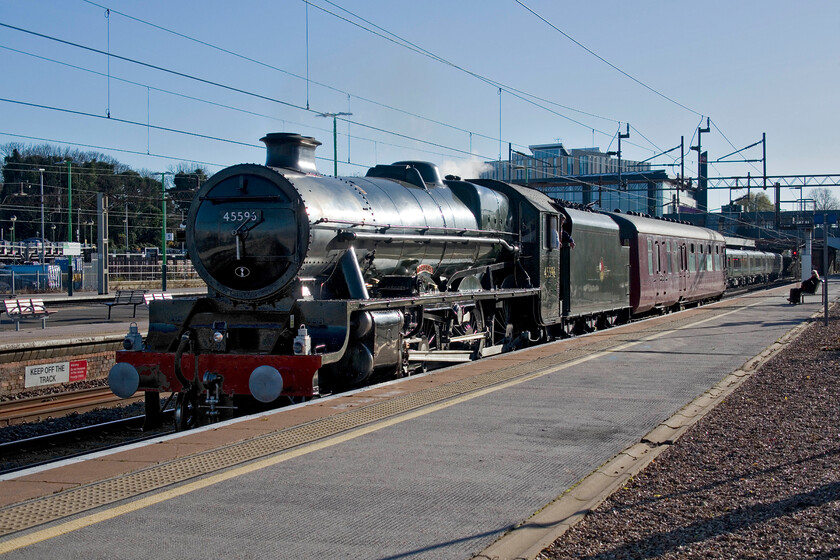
(240, 216)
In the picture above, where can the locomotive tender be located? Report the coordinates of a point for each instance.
(317, 284)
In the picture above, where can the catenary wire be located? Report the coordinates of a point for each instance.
(214, 138)
(605, 61)
(399, 41)
(208, 102)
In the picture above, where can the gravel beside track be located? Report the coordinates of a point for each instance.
(757, 478)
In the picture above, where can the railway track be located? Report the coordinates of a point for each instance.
(42, 407)
(75, 442)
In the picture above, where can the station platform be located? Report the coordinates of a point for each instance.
(79, 318)
(456, 463)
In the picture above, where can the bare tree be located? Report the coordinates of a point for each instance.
(824, 199)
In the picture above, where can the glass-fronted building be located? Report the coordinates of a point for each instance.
(591, 177)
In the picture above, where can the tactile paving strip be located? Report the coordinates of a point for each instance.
(36, 512)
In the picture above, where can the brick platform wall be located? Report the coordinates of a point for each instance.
(99, 358)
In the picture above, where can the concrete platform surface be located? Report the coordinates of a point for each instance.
(434, 467)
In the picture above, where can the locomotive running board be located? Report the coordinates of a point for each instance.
(492, 350)
(451, 356)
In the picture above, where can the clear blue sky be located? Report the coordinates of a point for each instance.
(751, 66)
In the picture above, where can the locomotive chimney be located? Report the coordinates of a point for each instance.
(293, 151)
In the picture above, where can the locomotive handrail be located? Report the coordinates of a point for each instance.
(443, 297)
(258, 198)
(316, 224)
(386, 238)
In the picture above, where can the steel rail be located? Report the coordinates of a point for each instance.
(60, 404)
(8, 449)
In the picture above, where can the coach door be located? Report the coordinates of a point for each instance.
(683, 266)
(550, 273)
(655, 268)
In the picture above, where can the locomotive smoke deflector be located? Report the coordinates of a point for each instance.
(292, 151)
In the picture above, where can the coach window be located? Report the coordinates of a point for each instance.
(692, 259)
(650, 257)
(658, 257)
(668, 255)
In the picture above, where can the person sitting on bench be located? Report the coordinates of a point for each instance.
(808, 286)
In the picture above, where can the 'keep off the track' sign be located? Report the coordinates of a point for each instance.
(61, 372)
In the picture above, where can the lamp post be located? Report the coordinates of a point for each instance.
(163, 229)
(335, 137)
(125, 222)
(14, 254)
(70, 258)
(618, 190)
(52, 227)
(620, 136)
(70, 214)
(43, 234)
(825, 269)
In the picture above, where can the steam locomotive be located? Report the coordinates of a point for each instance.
(317, 284)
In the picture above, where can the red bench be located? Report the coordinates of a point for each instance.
(20, 309)
(156, 296)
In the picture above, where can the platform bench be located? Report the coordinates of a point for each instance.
(126, 297)
(797, 295)
(156, 296)
(31, 308)
(811, 292)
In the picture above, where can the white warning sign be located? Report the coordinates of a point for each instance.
(61, 372)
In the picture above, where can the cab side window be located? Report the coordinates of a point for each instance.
(552, 234)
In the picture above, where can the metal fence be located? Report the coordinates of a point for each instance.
(30, 278)
(137, 268)
(122, 269)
